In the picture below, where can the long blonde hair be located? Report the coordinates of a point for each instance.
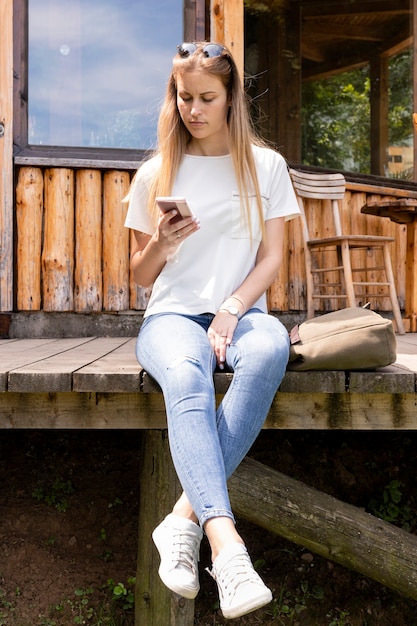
(173, 136)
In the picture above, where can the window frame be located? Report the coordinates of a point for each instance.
(195, 23)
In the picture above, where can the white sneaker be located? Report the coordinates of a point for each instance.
(241, 589)
(178, 542)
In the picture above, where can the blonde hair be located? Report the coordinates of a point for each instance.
(173, 136)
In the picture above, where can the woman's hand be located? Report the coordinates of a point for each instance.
(170, 231)
(220, 334)
(149, 253)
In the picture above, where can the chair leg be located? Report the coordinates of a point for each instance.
(392, 290)
(309, 284)
(347, 270)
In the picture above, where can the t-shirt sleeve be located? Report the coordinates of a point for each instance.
(281, 201)
(137, 216)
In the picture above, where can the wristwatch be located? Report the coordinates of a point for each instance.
(232, 310)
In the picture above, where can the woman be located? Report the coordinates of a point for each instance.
(210, 273)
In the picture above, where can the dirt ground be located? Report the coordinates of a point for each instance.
(68, 528)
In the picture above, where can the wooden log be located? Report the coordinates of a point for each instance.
(58, 246)
(88, 290)
(115, 242)
(6, 155)
(29, 213)
(333, 529)
(159, 489)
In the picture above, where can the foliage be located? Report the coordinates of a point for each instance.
(336, 116)
(289, 604)
(54, 493)
(332, 109)
(392, 508)
(79, 608)
(122, 594)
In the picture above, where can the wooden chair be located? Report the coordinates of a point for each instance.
(338, 264)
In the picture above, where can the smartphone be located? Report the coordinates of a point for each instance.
(167, 204)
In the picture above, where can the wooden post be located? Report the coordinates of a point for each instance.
(88, 292)
(159, 489)
(331, 528)
(414, 8)
(227, 27)
(379, 115)
(29, 213)
(6, 155)
(58, 247)
(115, 242)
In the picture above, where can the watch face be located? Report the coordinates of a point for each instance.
(233, 310)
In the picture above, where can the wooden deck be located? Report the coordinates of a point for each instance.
(97, 383)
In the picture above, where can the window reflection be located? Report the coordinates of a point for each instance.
(98, 70)
(336, 117)
(332, 81)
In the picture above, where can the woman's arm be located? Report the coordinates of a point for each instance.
(149, 253)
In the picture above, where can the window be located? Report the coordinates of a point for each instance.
(339, 107)
(98, 69)
(331, 82)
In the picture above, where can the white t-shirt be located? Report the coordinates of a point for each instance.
(213, 262)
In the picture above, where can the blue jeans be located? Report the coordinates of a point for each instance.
(207, 443)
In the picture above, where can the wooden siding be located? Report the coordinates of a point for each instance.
(73, 249)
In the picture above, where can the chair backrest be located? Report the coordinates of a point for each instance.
(320, 187)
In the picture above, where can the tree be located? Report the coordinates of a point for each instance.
(336, 116)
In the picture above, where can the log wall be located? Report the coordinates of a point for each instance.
(72, 251)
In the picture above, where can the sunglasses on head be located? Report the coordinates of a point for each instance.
(210, 50)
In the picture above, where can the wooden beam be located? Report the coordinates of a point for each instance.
(333, 529)
(226, 27)
(6, 155)
(312, 411)
(345, 8)
(194, 20)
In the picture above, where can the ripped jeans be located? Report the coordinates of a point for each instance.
(208, 443)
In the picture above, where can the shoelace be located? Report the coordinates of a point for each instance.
(184, 549)
(238, 571)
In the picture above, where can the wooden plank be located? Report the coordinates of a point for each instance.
(32, 157)
(311, 381)
(392, 381)
(18, 353)
(345, 411)
(319, 411)
(383, 189)
(6, 155)
(221, 383)
(293, 382)
(55, 372)
(116, 371)
(82, 411)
